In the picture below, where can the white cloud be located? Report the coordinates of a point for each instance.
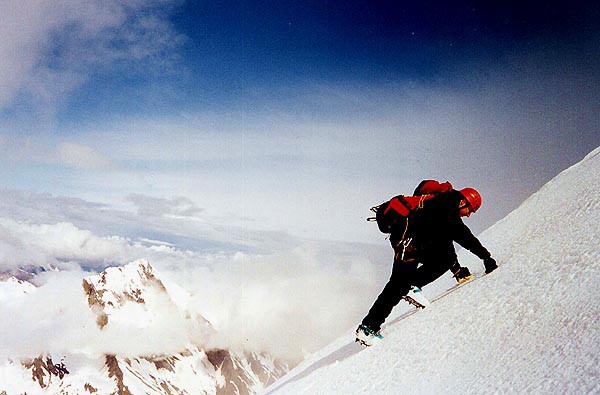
(46, 151)
(151, 206)
(49, 48)
(81, 156)
(287, 303)
(45, 245)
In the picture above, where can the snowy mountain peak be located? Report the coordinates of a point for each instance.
(127, 281)
(116, 286)
(11, 287)
(136, 314)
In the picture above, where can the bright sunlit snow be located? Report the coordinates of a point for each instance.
(529, 327)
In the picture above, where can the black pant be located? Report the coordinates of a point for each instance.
(435, 261)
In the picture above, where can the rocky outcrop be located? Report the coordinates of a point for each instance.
(244, 374)
(115, 372)
(42, 369)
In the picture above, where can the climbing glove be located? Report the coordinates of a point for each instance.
(462, 274)
(490, 265)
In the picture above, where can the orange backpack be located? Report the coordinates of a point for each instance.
(393, 214)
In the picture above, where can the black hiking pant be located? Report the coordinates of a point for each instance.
(435, 261)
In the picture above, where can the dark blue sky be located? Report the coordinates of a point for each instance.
(377, 40)
(230, 50)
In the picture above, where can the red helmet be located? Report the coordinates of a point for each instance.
(473, 198)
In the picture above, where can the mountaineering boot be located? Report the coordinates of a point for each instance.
(462, 275)
(416, 298)
(366, 336)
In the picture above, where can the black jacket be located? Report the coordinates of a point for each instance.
(438, 223)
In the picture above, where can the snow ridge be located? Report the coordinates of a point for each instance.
(529, 327)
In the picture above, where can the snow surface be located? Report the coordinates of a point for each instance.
(14, 288)
(532, 326)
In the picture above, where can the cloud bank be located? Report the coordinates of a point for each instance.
(151, 206)
(288, 301)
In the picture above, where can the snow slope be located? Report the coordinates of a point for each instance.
(13, 288)
(532, 326)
